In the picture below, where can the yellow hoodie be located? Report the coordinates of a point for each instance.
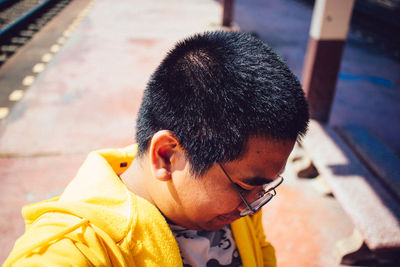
(98, 222)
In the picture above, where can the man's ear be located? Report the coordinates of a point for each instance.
(163, 152)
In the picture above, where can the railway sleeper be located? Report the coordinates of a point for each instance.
(34, 27)
(3, 58)
(19, 40)
(9, 48)
(27, 33)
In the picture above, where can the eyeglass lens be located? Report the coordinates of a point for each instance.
(264, 196)
(257, 204)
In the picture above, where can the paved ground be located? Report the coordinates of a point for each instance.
(88, 95)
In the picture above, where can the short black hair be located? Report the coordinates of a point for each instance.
(215, 90)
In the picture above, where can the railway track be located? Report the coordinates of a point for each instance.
(22, 27)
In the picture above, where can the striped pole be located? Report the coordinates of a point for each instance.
(328, 32)
(227, 13)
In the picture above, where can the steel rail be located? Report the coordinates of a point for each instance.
(7, 3)
(10, 30)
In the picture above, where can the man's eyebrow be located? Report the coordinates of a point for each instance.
(256, 181)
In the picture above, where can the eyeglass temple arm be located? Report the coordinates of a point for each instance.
(237, 189)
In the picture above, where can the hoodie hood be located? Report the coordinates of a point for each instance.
(96, 193)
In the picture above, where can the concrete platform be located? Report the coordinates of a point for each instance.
(27, 180)
(88, 95)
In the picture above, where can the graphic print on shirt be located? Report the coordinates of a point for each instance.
(204, 248)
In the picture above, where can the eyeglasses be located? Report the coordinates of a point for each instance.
(263, 197)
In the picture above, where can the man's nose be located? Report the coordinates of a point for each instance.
(242, 206)
(250, 197)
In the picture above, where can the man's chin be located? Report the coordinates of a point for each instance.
(220, 222)
(214, 227)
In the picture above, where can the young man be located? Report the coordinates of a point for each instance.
(217, 123)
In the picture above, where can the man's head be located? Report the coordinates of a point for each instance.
(220, 97)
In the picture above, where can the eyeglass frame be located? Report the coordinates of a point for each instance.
(249, 209)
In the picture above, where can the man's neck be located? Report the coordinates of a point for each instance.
(134, 179)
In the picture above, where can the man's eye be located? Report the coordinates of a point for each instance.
(241, 188)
